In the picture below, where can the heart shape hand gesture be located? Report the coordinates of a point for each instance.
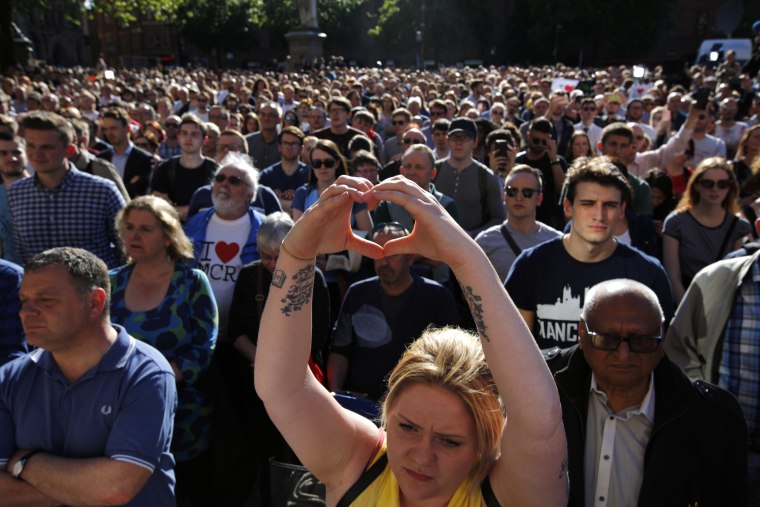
(325, 227)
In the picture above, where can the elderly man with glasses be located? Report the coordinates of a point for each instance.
(639, 431)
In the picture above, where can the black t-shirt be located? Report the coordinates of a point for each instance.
(178, 182)
(341, 140)
(550, 211)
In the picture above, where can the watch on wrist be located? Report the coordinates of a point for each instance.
(18, 467)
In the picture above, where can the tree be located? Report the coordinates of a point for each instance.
(121, 10)
(461, 29)
(219, 26)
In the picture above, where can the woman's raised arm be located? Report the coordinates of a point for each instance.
(333, 443)
(532, 469)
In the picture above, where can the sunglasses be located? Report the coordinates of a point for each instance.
(232, 180)
(171, 125)
(526, 192)
(589, 108)
(542, 142)
(399, 122)
(329, 163)
(709, 184)
(412, 141)
(636, 343)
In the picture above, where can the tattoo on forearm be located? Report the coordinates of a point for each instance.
(278, 278)
(300, 292)
(476, 308)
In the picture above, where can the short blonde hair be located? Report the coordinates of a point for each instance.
(453, 358)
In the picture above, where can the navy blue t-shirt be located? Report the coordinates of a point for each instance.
(547, 280)
(283, 185)
(374, 329)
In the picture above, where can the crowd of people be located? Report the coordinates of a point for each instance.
(168, 235)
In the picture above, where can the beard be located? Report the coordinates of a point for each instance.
(226, 204)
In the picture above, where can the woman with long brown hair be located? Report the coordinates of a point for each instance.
(704, 226)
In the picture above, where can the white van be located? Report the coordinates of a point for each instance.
(712, 52)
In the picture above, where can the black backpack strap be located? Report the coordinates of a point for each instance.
(488, 497)
(504, 232)
(364, 481)
(727, 238)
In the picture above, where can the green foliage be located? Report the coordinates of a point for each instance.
(468, 26)
(236, 24)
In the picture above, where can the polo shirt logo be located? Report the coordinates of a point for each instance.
(106, 409)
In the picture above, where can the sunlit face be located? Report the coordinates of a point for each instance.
(432, 443)
(143, 237)
(596, 211)
(580, 146)
(635, 111)
(440, 139)
(369, 171)
(460, 145)
(190, 138)
(540, 108)
(640, 141)
(714, 195)
(45, 150)
(418, 167)
(753, 141)
(538, 142)
(53, 311)
(269, 118)
(251, 125)
(289, 147)
(519, 206)
(11, 158)
(115, 132)
(233, 195)
(616, 146)
(621, 369)
(323, 174)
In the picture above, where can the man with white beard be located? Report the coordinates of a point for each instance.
(224, 236)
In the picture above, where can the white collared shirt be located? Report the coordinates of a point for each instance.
(120, 161)
(614, 449)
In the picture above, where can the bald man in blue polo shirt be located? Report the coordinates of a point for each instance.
(86, 419)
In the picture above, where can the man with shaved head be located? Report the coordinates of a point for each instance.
(639, 431)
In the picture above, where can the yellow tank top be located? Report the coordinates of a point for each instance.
(383, 491)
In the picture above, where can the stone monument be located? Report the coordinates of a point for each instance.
(306, 41)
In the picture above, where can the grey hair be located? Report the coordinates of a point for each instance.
(272, 105)
(273, 230)
(242, 163)
(619, 287)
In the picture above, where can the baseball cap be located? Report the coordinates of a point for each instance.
(464, 125)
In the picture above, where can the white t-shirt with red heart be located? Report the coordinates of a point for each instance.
(220, 259)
